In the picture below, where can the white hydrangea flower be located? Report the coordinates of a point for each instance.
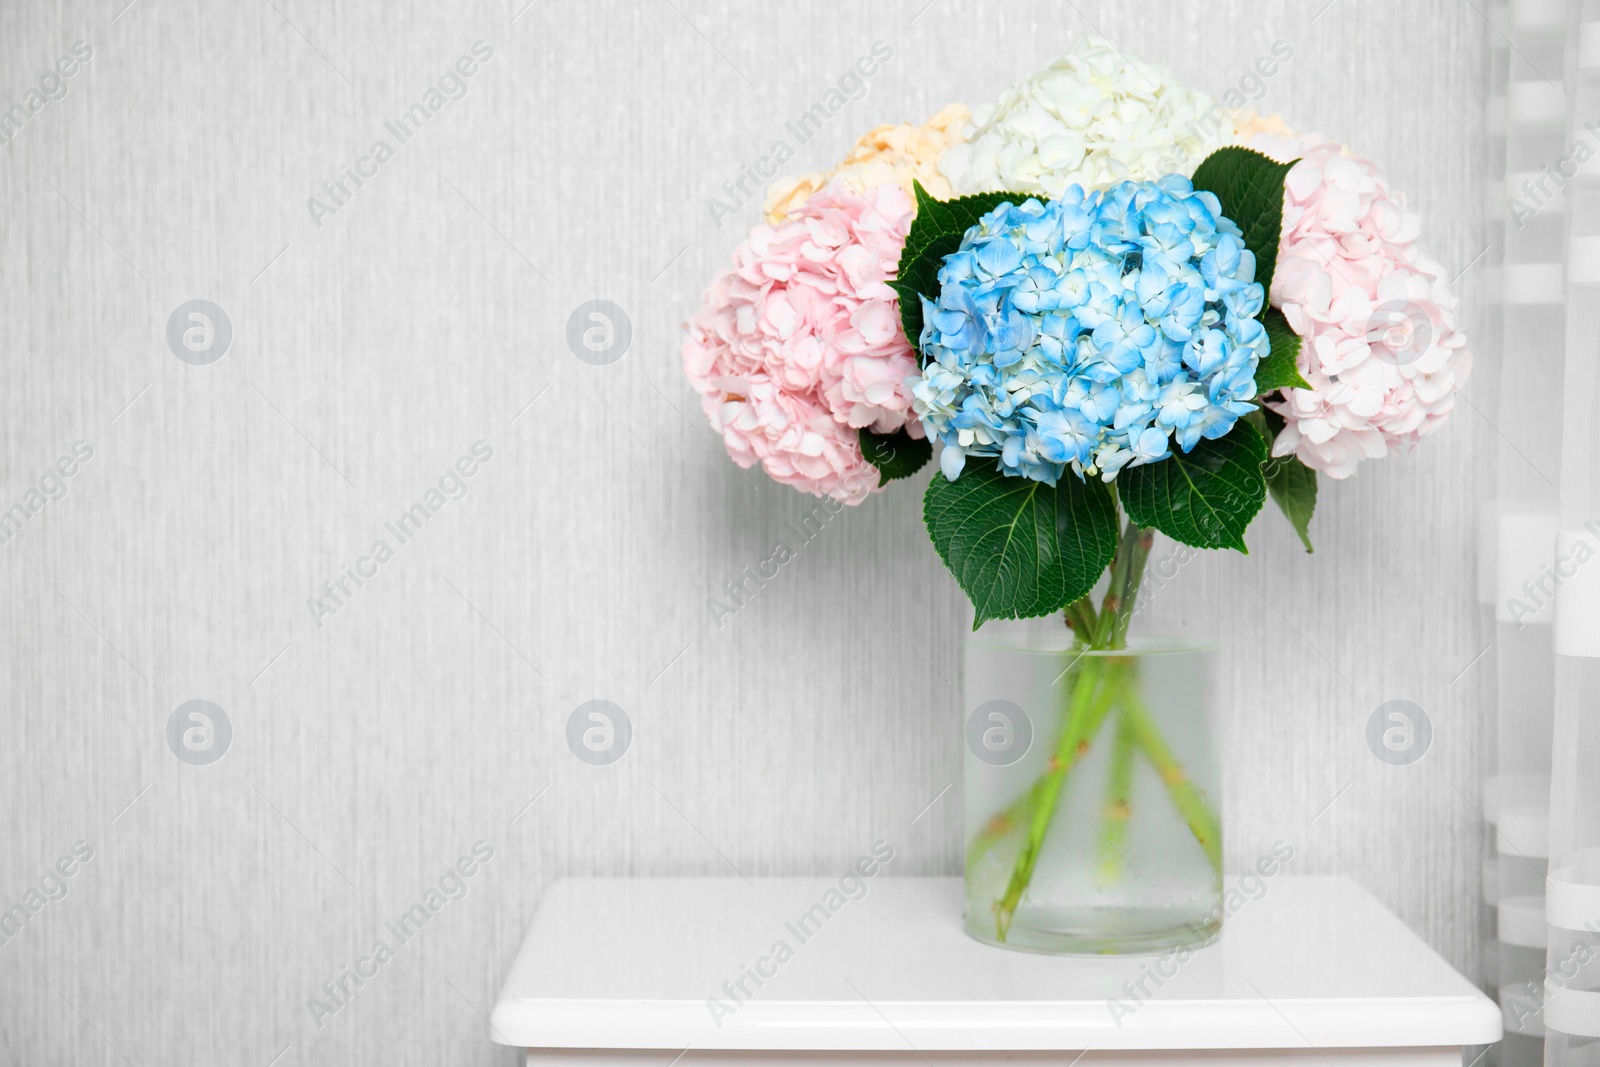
(1091, 118)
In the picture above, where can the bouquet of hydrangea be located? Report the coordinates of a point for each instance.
(1116, 309)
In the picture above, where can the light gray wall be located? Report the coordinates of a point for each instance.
(368, 354)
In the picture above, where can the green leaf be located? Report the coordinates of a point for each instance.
(1250, 188)
(1281, 369)
(935, 233)
(1293, 485)
(896, 455)
(1017, 547)
(1203, 498)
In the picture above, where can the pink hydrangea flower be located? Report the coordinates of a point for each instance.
(1379, 345)
(799, 346)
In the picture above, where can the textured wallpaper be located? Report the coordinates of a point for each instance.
(303, 419)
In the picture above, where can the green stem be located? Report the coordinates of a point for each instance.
(1003, 823)
(1091, 698)
(1137, 543)
(1186, 796)
(1081, 619)
(1118, 804)
(1112, 608)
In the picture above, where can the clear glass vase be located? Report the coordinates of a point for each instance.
(1091, 794)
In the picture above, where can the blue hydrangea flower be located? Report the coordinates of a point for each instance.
(1095, 332)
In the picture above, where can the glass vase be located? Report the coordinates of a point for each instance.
(1091, 794)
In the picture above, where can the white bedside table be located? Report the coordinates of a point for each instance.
(632, 972)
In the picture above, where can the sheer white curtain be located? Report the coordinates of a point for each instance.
(1541, 536)
(1572, 906)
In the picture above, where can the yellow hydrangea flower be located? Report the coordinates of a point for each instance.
(889, 154)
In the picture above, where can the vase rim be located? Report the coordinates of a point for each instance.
(1016, 639)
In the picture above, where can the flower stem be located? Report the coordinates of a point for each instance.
(1136, 543)
(1081, 619)
(1186, 796)
(1190, 801)
(1004, 822)
(1112, 608)
(1118, 804)
(1091, 697)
